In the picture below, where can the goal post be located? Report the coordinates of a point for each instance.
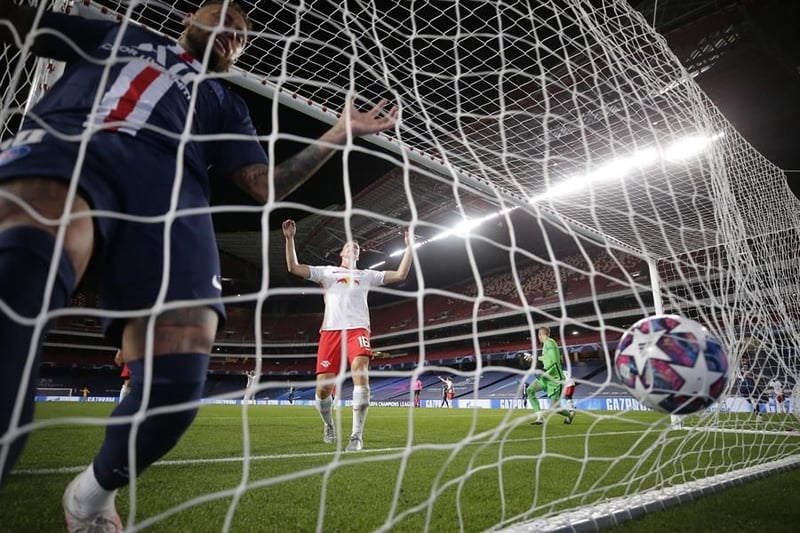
(564, 139)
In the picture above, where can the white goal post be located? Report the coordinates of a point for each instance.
(569, 119)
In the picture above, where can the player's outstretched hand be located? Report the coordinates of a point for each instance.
(364, 123)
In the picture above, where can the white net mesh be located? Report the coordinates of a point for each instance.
(570, 122)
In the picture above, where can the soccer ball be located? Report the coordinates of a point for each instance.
(671, 364)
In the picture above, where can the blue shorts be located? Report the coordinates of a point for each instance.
(747, 387)
(122, 176)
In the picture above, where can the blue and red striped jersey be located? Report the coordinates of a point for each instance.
(130, 80)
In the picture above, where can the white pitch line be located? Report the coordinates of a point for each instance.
(273, 457)
(397, 450)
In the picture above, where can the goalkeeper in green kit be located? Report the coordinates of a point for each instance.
(551, 381)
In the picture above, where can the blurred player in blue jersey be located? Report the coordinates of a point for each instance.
(142, 131)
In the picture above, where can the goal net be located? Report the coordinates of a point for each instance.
(560, 168)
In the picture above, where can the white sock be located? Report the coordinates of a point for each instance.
(124, 391)
(88, 497)
(324, 409)
(360, 406)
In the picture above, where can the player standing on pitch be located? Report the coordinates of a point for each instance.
(448, 391)
(569, 390)
(127, 148)
(777, 392)
(551, 381)
(252, 383)
(345, 323)
(125, 374)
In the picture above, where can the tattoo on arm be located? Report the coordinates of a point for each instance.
(288, 176)
(296, 170)
(254, 180)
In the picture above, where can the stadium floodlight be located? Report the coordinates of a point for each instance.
(402, 250)
(615, 169)
(620, 167)
(465, 226)
(689, 147)
(461, 229)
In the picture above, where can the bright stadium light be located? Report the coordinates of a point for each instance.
(615, 169)
(402, 250)
(461, 229)
(619, 168)
(465, 226)
(689, 147)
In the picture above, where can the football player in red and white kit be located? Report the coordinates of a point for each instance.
(125, 374)
(569, 389)
(345, 325)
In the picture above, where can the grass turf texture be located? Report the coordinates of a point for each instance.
(422, 469)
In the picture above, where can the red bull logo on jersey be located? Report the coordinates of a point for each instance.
(347, 280)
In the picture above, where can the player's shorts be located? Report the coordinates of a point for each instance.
(329, 353)
(450, 395)
(122, 177)
(551, 387)
(569, 391)
(779, 398)
(126, 372)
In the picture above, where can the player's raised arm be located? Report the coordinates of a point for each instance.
(290, 174)
(292, 265)
(393, 276)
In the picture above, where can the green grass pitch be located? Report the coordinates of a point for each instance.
(421, 470)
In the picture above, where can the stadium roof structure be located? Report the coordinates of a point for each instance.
(574, 104)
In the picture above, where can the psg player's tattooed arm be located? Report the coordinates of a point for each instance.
(290, 174)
